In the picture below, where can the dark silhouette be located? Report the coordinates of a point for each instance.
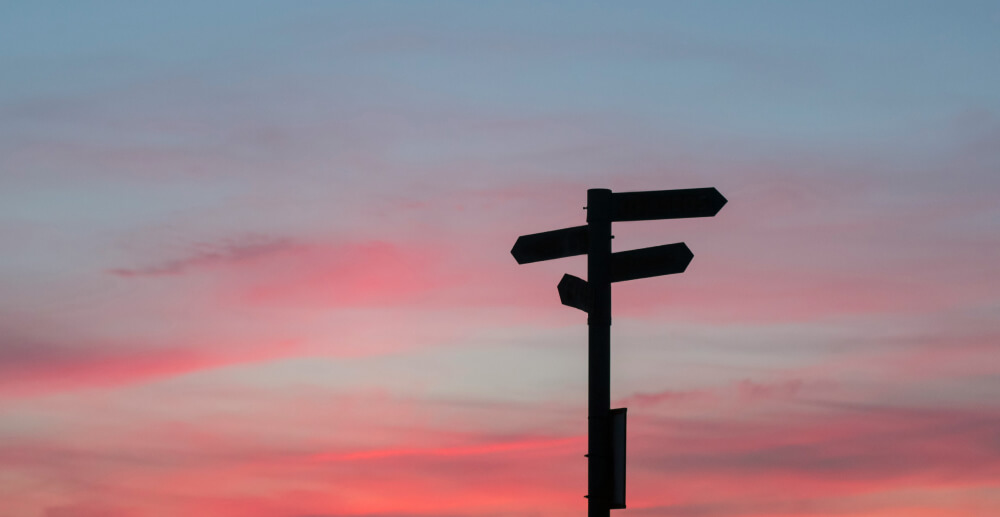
(606, 426)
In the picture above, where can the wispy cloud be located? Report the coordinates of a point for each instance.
(548, 444)
(666, 397)
(226, 253)
(740, 392)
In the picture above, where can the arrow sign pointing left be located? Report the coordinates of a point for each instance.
(646, 262)
(576, 292)
(550, 245)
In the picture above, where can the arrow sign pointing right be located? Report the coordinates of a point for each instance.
(666, 204)
(550, 245)
(646, 262)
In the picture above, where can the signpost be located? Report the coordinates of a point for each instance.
(606, 426)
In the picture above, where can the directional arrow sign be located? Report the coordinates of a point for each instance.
(575, 292)
(646, 262)
(666, 204)
(550, 245)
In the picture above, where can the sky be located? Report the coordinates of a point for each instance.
(256, 257)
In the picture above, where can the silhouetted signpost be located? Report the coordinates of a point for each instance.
(606, 426)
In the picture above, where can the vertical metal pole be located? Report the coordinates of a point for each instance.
(599, 355)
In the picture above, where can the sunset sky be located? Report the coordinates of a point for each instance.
(256, 257)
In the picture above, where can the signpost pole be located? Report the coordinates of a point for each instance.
(599, 354)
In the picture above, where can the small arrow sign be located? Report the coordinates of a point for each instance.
(575, 292)
(550, 245)
(646, 262)
(666, 204)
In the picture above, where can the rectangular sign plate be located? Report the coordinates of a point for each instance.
(618, 458)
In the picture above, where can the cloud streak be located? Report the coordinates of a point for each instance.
(229, 253)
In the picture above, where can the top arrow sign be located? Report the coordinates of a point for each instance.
(666, 204)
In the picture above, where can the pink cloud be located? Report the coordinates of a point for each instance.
(45, 368)
(909, 365)
(840, 461)
(88, 510)
(219, 479)
(345, 275)
(815, 459)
